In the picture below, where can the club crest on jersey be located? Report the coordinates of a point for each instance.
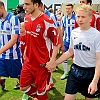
(38, 28)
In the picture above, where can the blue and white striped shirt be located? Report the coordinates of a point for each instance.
(53, 17)
(68, 25)
(9, 26)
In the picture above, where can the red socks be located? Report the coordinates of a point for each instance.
(31, 91)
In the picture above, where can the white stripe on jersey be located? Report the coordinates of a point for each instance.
(53, 17)
(48, 41)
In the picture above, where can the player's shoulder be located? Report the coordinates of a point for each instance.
(12, 18)
(92, 29)
(95, 13)
(11, 15)
(76, 29)
(27, 18)
(64, 18)
(74, 16)
(53, 15)
(46, 18)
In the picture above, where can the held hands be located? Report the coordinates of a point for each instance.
(51, 65)
(92, 88)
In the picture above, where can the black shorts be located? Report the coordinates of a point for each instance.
(79, 79)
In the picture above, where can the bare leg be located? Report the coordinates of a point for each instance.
(69, 97)
(88, 98)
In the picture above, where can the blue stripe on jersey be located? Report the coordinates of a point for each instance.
(9, 26)
(47, 13)
(17, 23)
(68, 25)
(0, 47)
(53, 17)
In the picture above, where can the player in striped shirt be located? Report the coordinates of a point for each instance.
(10, 58)
(68, 22)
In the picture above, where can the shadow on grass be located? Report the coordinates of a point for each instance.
(3, 92)
(54, 94)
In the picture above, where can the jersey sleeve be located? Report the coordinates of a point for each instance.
(71, 40)
(22, 41)
(52, 33)
(98, 23)
(97, 42)
(55, 20)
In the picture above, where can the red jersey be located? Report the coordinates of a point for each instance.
(22, 43)
(95, 21)
(40, 34)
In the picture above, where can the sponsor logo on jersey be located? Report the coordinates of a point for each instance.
(81, 47)
(32, 33)
(15, 26)
(4, 32)
(75, 37)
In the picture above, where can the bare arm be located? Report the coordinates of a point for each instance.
(50, 64)
(10, 43)
(61, 38)
(65, 56)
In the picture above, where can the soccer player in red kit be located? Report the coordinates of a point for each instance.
(40, 34)
(22, 38)
(95, 21)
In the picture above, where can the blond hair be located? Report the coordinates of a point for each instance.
(22, 24)
(86, 8)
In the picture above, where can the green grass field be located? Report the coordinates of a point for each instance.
(56, 93)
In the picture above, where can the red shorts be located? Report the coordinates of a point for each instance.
(39, 77)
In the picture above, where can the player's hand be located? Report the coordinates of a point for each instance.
(51, 66)
(92, 88)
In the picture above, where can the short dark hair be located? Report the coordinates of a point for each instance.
(41, 4)
(89, 1)
(36, 1)
(1, 3)
(69, 5)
